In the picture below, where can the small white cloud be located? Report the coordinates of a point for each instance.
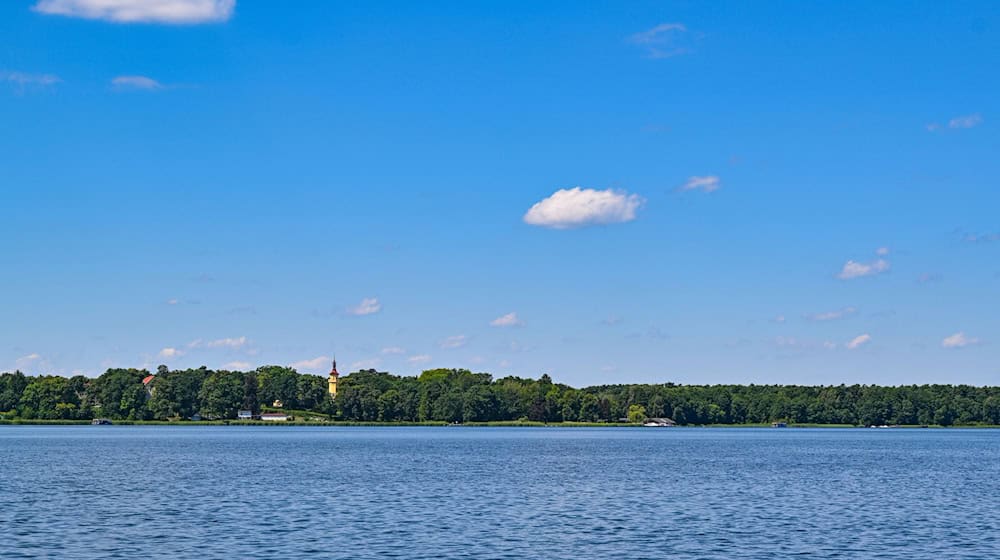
(829, 345)
(832, 315)
(508, 320)
(778, 319)
(170, 352)
(981, 237)
(227, 343)
(135, 82)
(882, 251)
(859, 341)
(709, 183)
(237, 365)
(854, 269)
(959, 340)
(418, 359)
(661, 41)
(367, 306)
(141, 11)
(26, 79)
(319, 362)
(967, 121)
(31, 360)
(929, 277)
(579, 207)
(505, 363)
(232, 343)
(786, 341)
(393, 350)
(611, 320)
(173, 301)
(456, 341)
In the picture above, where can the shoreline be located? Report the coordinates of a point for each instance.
(512, 424)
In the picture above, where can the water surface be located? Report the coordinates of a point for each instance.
(299, 492)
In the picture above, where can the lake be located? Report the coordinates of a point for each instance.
(393, 492)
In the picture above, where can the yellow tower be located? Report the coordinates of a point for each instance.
(332, 380)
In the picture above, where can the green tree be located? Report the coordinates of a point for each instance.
(636, 414)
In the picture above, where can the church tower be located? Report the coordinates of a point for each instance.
(332, 380)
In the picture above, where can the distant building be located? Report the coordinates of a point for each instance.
(274, 417)
(332, 380)
(147, 384)
(277, 403)
(659, 423)
(244, 415)
(196, 417)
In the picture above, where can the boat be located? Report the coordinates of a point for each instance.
(100, 422)
(658, 423)
(779, 424)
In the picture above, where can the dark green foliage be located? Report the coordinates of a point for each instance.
(119, 393)
(221, 394)
(11, 387)
(458, 395)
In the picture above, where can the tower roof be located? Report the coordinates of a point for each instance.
(334, 371)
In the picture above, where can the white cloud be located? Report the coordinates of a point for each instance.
(173, 301)
(882, 251)
(31, 360)
(313, 364)
(366, 307)
(708, 183)
(232, 343)
(829, 345)
(418, 359)
(170, 352)
(578, 207)
(832, 315)
(141, 11)
(778, 319)
(393, 350)
(661, 41)
(508, 320)
(959, 340)
(854, 269)
(135, 82)
(456, 341)
(859, 341)
(227, 342)
(981, 237)
(967, 121)
(26, 79)
(237, 365)
(786, 341)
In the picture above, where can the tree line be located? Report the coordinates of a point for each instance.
(457, 395)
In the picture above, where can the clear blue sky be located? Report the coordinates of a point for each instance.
(781, 192)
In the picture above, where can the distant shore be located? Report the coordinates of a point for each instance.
(514, 424)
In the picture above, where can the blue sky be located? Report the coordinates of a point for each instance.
(607, 192)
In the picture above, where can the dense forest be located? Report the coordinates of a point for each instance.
(455, 395)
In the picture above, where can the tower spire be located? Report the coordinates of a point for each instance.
(331, 381)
